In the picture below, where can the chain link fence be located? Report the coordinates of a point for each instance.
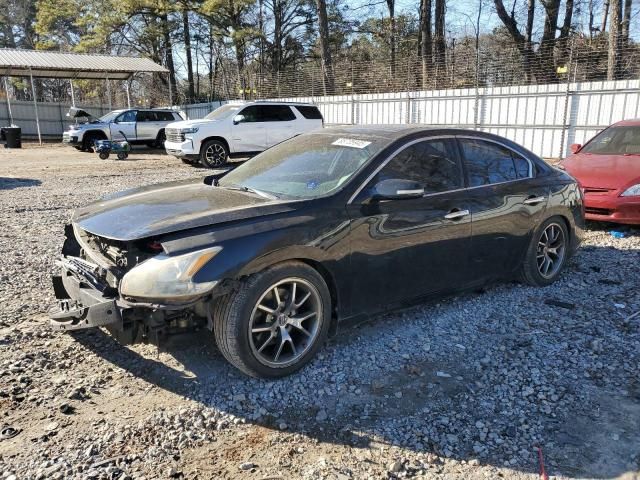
(462, 66)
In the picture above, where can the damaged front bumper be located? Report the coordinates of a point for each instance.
(85, 300)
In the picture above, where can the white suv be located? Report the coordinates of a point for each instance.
(239, 128)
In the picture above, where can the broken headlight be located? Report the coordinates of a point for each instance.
(169, 278)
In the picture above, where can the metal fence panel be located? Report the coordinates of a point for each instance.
(544, 118)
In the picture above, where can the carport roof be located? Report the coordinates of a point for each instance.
(45, 64)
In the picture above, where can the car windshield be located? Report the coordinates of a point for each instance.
(223, 112)
(307, 166)
(109, 117)
(615, 140)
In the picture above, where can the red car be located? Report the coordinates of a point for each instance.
(608, 170)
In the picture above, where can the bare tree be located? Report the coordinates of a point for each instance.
(325, 50)
(605, 15)
(439, 38)
(391, 5)
(626, 22)
(187, 47)
(613, 58)
(425, 40)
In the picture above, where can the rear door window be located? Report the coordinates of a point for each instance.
(488, 163)
(277, 113)
(309, 112)
(164, 116)
(146, 116)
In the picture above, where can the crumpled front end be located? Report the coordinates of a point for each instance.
(87, 291)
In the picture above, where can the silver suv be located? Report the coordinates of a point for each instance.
(139, 126)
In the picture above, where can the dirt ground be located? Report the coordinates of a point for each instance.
(491, 379)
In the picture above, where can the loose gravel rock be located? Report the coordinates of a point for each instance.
(466, 387)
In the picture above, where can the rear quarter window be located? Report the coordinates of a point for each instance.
(309, 112)
(165, 116)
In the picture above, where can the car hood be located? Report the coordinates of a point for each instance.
(190, 123)
(88, 125)
(170, 207)
(603, 171)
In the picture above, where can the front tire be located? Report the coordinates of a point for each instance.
(275, 322)
(547, 254)
(214, 154)
(89, 140)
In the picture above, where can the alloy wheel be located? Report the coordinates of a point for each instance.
(551, 250)
(215, 155)
(285, 322)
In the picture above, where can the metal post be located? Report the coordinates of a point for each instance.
(109, 93)
(73, 97)
(6, 88)
(35, 105)
(126, 87)
(567, 95)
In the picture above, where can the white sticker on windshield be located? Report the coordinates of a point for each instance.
(351, 142)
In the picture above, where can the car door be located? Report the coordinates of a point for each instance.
(146, 128)
(124, 126)
(248, 132)
(280, 122)
(506, 204)
(406, 248)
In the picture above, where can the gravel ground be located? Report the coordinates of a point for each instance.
(474, 386)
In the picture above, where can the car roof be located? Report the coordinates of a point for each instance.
(395, 132)
(632, 122)
(270, 102)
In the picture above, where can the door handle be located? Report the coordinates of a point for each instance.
(456, 214)
(534, 200)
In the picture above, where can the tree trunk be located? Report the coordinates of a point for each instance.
(425, 41)
(276, 59)
(528, 47)
(605, 15)
(187, 47)
(391, 5)
(325, 50)
(568, 17)
(613, 59)
(546, 61)
(626, 22)
(590, 19)
(168, 52)
(439, 40)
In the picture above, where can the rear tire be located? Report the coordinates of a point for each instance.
(547, 254)
(214, 154)
(271, 345)
(122, 156)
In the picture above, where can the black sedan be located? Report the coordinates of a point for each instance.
(328, 226)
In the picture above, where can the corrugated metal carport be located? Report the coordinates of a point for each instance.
(45, 64)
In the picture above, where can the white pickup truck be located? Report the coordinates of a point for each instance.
(239, 128)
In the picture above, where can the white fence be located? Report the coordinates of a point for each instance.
(544, 118)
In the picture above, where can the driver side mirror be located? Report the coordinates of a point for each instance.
(397, 189)
(238, 119)
(575, 147)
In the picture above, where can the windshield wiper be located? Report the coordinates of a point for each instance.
(242, 188)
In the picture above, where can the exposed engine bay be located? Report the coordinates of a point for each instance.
(88, 291)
